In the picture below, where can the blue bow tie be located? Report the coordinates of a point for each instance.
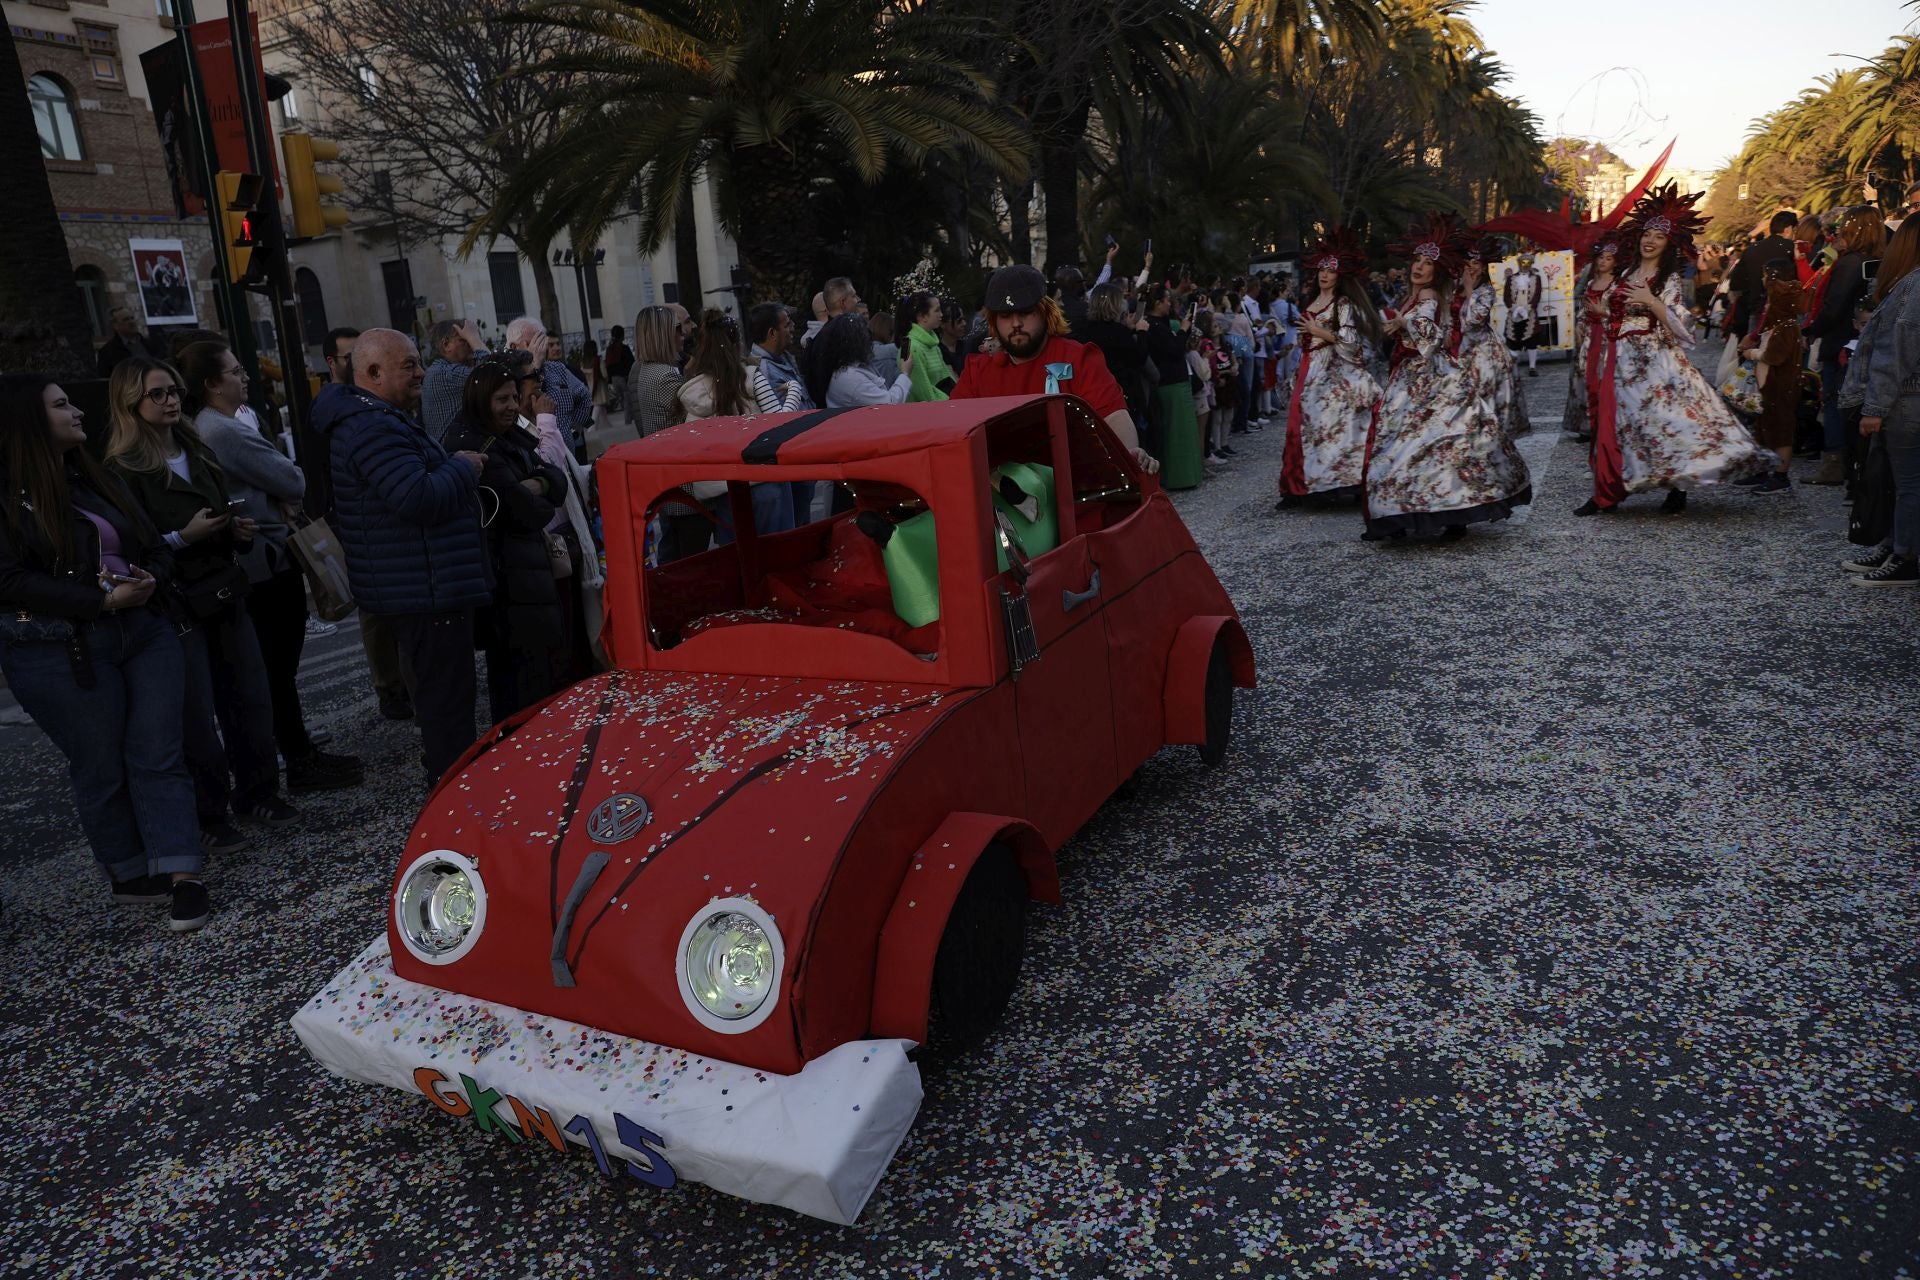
(1057, 374)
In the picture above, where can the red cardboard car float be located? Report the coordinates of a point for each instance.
(693, 913)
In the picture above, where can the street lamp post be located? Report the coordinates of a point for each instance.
(579, 262)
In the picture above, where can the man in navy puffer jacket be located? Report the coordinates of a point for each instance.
(407, 514)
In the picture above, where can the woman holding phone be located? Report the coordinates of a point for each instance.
(181, 488)
(87, 653)
(269, 486)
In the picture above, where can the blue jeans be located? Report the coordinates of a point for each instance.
(1833, 423)
(1902, 430)
(1245, 407)
(122, 739)
(227, 679)
(772, 511)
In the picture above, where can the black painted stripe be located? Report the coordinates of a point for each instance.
(766, 446)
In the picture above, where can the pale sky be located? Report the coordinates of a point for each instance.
(1634, 73)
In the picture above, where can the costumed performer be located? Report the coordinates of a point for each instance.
(1589, 335)
(1483, 352)
(1037, 357)
(1331, 408)
(1525, 290)
(1779, 353)
(1437, 460)
(1657, 423)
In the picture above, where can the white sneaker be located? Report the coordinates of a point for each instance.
(319, 626)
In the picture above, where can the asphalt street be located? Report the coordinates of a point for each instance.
(1555, 916)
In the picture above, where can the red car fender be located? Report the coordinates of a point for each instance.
(1186, 693)
(903, 962)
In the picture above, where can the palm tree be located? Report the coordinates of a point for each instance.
(1288, 38)
(45, 328)
(1883, 125)
(760, 96)
(1233, 143)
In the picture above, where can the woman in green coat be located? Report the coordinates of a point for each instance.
(919, 317)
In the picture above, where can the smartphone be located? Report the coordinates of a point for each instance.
(1870, 270)
(236, 505)
(121, 577)
(1111, 242)
(1149, 244)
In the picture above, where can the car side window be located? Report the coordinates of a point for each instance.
(1106, 479)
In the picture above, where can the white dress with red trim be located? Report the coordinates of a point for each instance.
(1439, 457)
(1658, 423)
(1331, 409)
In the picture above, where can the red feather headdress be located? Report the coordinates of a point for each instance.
(1339, 250)
(1665, 210)
(1557, 231)
(1437, 237)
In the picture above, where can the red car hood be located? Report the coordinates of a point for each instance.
(753, 783)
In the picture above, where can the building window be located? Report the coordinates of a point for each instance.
(369, 80)
(290, 105)
(53, 116)
(103, 50)
(93, 299)
(509, 299)
(313, 306)
(163, 8)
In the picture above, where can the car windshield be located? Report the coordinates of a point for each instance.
(846, 555)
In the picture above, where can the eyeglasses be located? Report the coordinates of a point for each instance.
(160, 395)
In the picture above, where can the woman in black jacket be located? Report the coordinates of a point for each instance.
(1862, 237)
(1124, 344)
(524, 630)
(87, 653)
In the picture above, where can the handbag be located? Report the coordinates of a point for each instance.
(320, 557)
(1741, 390)
(559, 556)
(22, 627)
(214, 592)
(1871, 520)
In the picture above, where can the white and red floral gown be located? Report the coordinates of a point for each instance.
(1331, 409)
(1493, 365)
(1657, 422)
(1438, 456)
(1576, 421)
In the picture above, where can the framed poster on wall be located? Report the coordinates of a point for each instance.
(166, 290)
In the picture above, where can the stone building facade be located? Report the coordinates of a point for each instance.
(81, 61)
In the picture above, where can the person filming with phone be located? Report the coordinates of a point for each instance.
(180, 486)
(86, 650)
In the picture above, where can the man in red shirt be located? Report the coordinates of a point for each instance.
(1034, 350)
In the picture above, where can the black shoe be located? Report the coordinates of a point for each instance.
(1774, 482)
(273, 811)
(319, 737)
(320, 771)
(142, 889)
(1592, 508)
(1898, 571)
(1869, 560)
(1751, 482)
(1676, 502)
(189, 906)
(1533, 373)
(395, 704)
(1453, 531)
(1229, 450)
(221, 837)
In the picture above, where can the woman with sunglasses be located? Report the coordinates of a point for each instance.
(86, 651)
(180, 486)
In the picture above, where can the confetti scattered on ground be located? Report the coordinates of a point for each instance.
(1556, 916)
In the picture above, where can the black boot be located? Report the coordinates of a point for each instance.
(1592, 508)
(1676, 502)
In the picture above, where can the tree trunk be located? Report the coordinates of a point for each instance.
(1019, 218)
(779, 234)
(42, 325)
(1060, 179)
(549, 297)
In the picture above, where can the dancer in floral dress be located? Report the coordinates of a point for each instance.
(1658, 423)
(1331, 408)
(1482, 350)
(1438, 459)
(1589, 317)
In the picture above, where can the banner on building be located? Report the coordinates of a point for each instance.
(166, 287)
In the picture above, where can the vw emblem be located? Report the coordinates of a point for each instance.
(617, 818)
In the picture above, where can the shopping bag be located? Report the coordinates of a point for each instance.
(325, 565)
(1742, 389)
(1871, 521)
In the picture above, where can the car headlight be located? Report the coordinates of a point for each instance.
(440, 906)
(729, 965)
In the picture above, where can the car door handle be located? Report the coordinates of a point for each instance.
(1071, 600)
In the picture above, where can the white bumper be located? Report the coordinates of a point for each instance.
(816, 1142)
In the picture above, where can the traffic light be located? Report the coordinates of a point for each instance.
(239, 197)
(305, 186)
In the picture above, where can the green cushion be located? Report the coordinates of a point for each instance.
(912, 554)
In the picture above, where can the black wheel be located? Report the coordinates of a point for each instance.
(1219, 700)
(978, 964)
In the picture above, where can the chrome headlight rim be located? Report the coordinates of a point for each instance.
(715, 909)
(466, 867)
